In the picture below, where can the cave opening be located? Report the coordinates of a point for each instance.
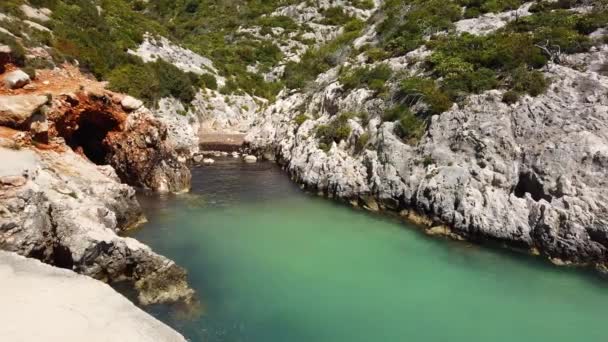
(529, 183)
(88, 138)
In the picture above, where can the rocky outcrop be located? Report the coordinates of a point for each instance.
(61, 196)
(15, 79)
(63, 210)
(154, 47)
(105, 127)
(182, 126)
(530, 175)
(16, 110)
(490, 22)
(140, 154)
(69, 307)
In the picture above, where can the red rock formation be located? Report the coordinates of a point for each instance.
(92, 121)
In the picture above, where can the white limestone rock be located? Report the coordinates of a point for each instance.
(250, 159)
(68, 214)
(17, 109)
(130, 103)
(41, 14)
(490, 22)
(15, 79)
(69, 307)
(531, 175)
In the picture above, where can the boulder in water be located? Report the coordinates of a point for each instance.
(250, 159)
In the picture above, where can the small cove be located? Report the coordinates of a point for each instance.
(272, 264)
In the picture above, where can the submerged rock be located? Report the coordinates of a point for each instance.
(250, 159)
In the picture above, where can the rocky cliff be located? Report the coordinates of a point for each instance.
(528, 174)
(68, 147)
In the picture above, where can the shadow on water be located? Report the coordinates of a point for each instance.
(271, 263)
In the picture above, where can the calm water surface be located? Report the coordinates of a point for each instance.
(272, 264)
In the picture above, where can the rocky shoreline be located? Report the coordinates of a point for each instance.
(66, 306)
(69, 148)
(528, 175)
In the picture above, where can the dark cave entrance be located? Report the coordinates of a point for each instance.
(529, 183)
(88, 138)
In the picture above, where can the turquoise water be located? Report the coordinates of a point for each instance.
(272, 264)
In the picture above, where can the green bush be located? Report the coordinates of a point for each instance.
(281, 21)
(173, 82)
(376, 54)
(409, 126)
(362, 142)
(139, 81)
(17, 50)
(208, 81)
(405, 27)
(300, 119)
(336, 131)
(363, 4)
(335, 16)
(317, 60)
(560, 28)
(487, 6)
(532, 82)
(416, 89)
(373, 78)
(510, 97)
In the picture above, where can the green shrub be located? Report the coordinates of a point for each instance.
(17, 50)
(409, 126)
(532, 82)
(416, 89)
(208, 81)
(138, 80)
(336, 131)
(493, 6)
(300, 119)
(230, 87)
(335, 16)
(173, 82)
(376, 54)
(405, 27)
(317, 60)
(362, 142)
(560, 28)
(510, 97)
(374, 78)
(363, 4)
(472, 12)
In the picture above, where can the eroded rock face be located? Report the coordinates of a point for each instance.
(141, 155)
(531, 175)
(136, 145)
(66, 211)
